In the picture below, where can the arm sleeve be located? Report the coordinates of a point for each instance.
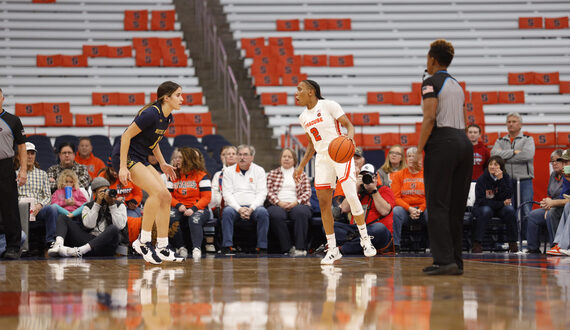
(205, 187)
(505, 188)
(45, 191)
(118, 215)
(216, 196)
(261, 188)
(84, 178)
(79, 198)
(397, 189)
(527, 149)
(335, 109)
(305, 189)
(499, 151)
(271, 192)
(19, 135)
(428, 89)
(77, 211)
(228, 189)
(58, 198)
(61, 210)
(52, 174)
(146, 118)
(89, 215)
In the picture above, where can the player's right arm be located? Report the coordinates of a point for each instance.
(308, 155)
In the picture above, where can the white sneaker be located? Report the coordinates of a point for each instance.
(367, 247)
(147, 251)
(183, 252)
(565, 252)
(166, 254)
(66, 251)
(331, 256)
(53, 250)
(196, 253)
(299, 253)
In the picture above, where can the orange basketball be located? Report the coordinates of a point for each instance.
(341, 149)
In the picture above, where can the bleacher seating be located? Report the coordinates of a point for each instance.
(65, 27)
(389, 41)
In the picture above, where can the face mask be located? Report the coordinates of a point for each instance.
(567, 169)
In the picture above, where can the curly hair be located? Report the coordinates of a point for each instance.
(192, 160)
(442, 51)
(67, 174)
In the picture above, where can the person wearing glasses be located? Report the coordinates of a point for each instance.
(394, 163)
(66, 153)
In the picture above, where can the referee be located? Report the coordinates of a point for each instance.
(448, 160)
(11, 134)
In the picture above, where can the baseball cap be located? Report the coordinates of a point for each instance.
(367, 168)
(30, 146)
(358, 151)
(565, 155)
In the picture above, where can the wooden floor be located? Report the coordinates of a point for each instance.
(497, 291)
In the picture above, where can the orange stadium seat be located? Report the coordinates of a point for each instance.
(175, 60)
(511, 97)
(193, 99)
(273, 98)
(162, 20)
(408, 98)
(95, 50)
(74, 60)
(417, 88)
(148, 57)
(56, 108)
(378, 140)
(120, 51)
(254, 46)
(258, 68)
(293, 79)
(266, 80)
(379, 97)
(364, 119)
(93, 120)
(303, 139)
(489, 138)
(280, 50)
(543, 139)
(485, 97)
(475, 113)
(281, 41)
(343, 60)
(315, 60)
(169, 42)
(105, 98)
(339, 24)
(287, 25)
(62, 119)
(192, 119)
(521, 78)
(43, 1)
(556, 22)
(291, 59)
(136, 20)
(198, 131)
(549, 78)
(409, 139)
(564, 87)
(146, 42)
(288, 69)
(32, 109)
(530, 22)
(312, 24)
(563, 139)
(49, 60)
(131, 99)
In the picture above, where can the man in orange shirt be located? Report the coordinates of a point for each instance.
(409, 191)
(85, 157)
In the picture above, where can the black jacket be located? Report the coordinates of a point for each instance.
(491, 192)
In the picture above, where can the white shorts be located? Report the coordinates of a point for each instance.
(327, 171)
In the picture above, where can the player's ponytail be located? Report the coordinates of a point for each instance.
(165, 89)
(315, 87)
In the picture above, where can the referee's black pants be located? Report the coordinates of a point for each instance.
(10, 224)
(448, 165)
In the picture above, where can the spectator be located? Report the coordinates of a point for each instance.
(559, 223)
(289, 200)
(493, 193)
(393, 163)
(518, 152)
(85, 157)
(409, 193)
(68, 205)
(130, 194)
(190, 197)
(244, 189)
(228, 157)
(99, 232)
(66, 153)
(37, 192)
(562, 237)
(551, 207)
(377, 200)
(13, 138)
(338, 195)
(481, 153)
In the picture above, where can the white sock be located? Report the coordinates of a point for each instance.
(161, 242)
(331, 241)
(59, 240)
(146, 236)
(84, 249)
(362, 230)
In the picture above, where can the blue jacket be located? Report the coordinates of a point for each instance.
(491, 192)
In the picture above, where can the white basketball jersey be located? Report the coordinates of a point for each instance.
(321, 123)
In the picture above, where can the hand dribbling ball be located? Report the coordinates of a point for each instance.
(341, 149)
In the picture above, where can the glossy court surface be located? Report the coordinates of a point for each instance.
(497, 291)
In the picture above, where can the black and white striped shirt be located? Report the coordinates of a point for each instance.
(450, 99)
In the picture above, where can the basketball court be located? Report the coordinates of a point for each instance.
(497, 291)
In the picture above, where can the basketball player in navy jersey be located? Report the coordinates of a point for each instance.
(130, 159)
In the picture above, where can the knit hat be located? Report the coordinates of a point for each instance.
(99, 182)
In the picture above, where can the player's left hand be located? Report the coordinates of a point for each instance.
(169, 170)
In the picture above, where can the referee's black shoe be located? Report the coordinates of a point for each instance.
(12, 253)
(450, 269)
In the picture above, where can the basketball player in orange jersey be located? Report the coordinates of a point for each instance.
(321, 121)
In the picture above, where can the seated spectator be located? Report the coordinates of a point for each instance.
(98, 233)
(85, 157)
(191, 193)
(244, 189)
(562, 238)
(560, 224)
(481, 153)
(393, 163)
(228, 157)
(377, 201)
(409, 193)
(130, 194)
(36, 191)
(66, 153)
(289, 200)
(65, 203)
(550, 207)
(493, 193)
(338, 195)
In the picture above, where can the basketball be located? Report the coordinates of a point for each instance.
(341, 149)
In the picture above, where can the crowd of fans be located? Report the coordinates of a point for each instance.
(84, 209)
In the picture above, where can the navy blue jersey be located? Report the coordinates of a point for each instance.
(153, 125)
